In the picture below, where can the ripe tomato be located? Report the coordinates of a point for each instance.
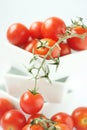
(78, 43)
(17, 34)
(35, 30)
(61, 126)
(65, 49)
(43, 50)
(31, 103)
(79, 116)
(53, 26)
(5, 105)
(63, 117)
(13, 120)
(30, 45)
(33, 127)
(37, 115)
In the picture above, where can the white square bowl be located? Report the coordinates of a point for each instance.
(17, 57)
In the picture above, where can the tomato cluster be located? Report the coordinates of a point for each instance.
(31, 103)
(41, 35)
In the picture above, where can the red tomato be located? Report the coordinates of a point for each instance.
(63, 117)
(37, 115)
(79, 116)
(53, 26)
(61, 126)
(47, 43)
(13, 120)
(30, 45)
(31, 103)
(35, 29)
(65, 49)
(78, 43)
(17, 34)
(33, 127)
(5, 105)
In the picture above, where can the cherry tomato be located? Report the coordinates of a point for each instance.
(43, 50)
(31, 103)
(61, 126)
(79, 116)
(35, 30)
(5, 105)
(37, 115)
(53, 26)
(13, 120)
(77, 43)
(65, 49)
(30, 45)
(33, 127)
(17, 34)
(63, 117)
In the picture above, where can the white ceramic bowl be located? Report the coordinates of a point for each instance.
(17, 57)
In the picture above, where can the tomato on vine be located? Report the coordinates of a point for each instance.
(37, 115)
(62, 117)
(42, 47)
(52, 27)
(33, 127)
(76, 43)
(31, 102)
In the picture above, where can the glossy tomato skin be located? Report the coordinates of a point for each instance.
(37, 115)
(17, 34)
(77, 43)
(5, 105)
(65, 118)
(79, 116)
(42, 51)
(65, 49)
(53, 26)
(13, 120)
(33, 127)
(35, 30)
(31, 103)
